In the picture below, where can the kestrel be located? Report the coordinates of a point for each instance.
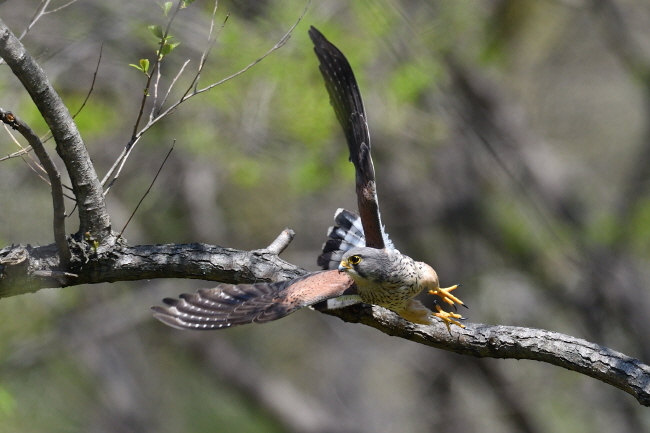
(360, 263)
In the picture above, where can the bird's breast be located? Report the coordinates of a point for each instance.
(391, 296)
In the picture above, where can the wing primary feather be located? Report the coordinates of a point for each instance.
(230, 305)
(345, 97)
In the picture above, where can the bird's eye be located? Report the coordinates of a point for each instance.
(354, 260)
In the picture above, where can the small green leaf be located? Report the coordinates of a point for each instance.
(167, 48)
(186, 3)
(157, 31)
(144, 65)
(166, 7)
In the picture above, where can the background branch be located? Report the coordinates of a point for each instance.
(55, 182)
(93, 216)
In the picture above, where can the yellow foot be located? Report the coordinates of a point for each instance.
(447, 296)
(448, 318)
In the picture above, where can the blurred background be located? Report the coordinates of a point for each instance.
(511, 141)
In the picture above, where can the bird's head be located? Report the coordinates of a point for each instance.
(369, 264)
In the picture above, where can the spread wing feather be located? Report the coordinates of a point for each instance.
(230, 305)
(345, 97)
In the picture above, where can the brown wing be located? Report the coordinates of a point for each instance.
(348, 106)
(229, 305)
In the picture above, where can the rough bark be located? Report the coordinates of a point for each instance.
(512, 342)
(25, 269)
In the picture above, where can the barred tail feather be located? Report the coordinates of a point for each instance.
(345, 235)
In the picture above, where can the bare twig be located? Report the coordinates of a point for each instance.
(41, 11)
(155, 91)
(59, 8)
(92, 84)
(148, 189)
(55, 181)
(210, 42)
(154, 70)
(17, 154)
(119, 163)
(116, 169)
(33, 165)
(21, 154)
(171, 86)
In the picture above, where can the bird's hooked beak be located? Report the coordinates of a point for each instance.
(343, 266)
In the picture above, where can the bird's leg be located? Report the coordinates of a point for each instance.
(429, 280)
(415, 312)
(448, 318)
(447, 296)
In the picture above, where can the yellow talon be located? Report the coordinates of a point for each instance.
(446, 296)
(448, 318)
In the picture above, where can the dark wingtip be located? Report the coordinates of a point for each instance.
(314, 33)
(170, 301)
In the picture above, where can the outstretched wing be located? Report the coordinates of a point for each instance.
(229, 305)
(348, 106)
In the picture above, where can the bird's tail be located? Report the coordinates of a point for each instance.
(345, 235)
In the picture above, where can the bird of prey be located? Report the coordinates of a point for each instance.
(360, 263)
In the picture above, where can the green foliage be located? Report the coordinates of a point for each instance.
(166, 7)
(157, 31)
(411, 80)
(143, 66)
(164, 40)
(639, 227)
(7, 403)
(97, 118)
(165, 46)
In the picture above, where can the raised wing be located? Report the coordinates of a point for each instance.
(230, 305)
(348, 106)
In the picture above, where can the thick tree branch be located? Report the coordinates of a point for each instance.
(93, 216)
(55, 181)
(28, 269)
(512, 342)
(25, 269)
